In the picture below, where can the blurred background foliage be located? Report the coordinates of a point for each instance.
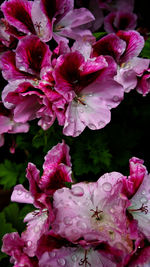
(92, 153)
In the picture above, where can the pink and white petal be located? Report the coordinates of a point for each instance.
(19, 128)
(96, 114)
(37, 225)
(77, 33)
(18, 14)
(41, 23)
(21, 195)
(33, 175)
(134, 44)
(74, 257)
(26, 109)
(58, 154)
(111, 45)
(73, 126)
(83, 47)
(5, 124)
(76, 17)
(140, 206)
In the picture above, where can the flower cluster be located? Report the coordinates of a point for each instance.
(79, 83)
(103, 223)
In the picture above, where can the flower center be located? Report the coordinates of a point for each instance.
(96, 213)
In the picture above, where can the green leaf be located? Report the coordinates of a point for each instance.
(99, 35)
(9, 173)
(146, 50)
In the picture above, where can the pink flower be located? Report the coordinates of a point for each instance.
(143, 85)
(94, 212)
(120, 20)
(76, 256)
(89, 88)
(56, 171)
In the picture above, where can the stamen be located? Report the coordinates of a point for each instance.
(142, 209)
(38, 26)
(85, 260)
(79, 100)
(96, 213)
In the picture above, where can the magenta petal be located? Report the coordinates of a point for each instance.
(18, 14)
(76, 17)
(32, 55)
(5, 124)
(12, 242)
(134, 44)
(21, 195)
(58, 154)
(111, 45)
(9, 70)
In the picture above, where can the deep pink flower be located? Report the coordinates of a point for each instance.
(120, 20)
(59, 19)
(18, 14)
(90, 93)
(56, 171)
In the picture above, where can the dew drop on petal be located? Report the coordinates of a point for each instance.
(19, 192)
(92, 126)
(27, 195)
(52, 254)
(112, 210)
(81, 225)
(107, 186)
(81, 110)
(61, 262)
(29, 243)
(143, 192)
(77, 191)
(36, 228)
(144, 200)
(68, 220)
(115, 98)
(60, 190)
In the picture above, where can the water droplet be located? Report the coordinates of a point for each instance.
(101, 124)
(81, 225)
(22, 68)
(27, 195)
(116, 98)
(19, 192)
(107, 186)
(44, 126)
(90, 95)
(52, 254)
(74, 258)
(144, 200)
(143, 192)
(77, 191)
(68, 220)
(36, 228)
(92, 126)
(60, 191)
(29, 243)
(112, 210)
(81, 110)
(61, 262)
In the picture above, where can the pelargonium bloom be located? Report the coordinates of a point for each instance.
(94, 212)
(56, 171)
(90, 90)
(120, 20)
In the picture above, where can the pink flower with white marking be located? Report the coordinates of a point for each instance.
(89, 88)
